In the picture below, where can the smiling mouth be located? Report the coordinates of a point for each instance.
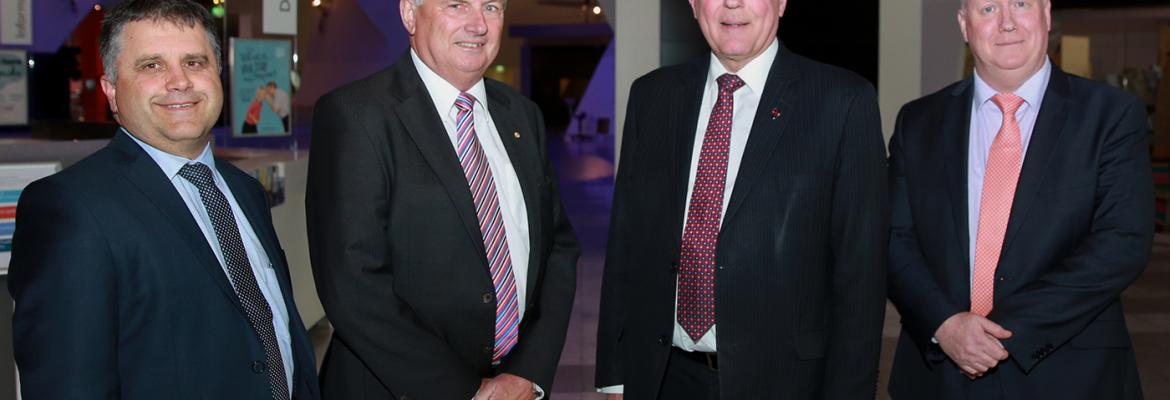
(178, 106)
(469, 45)
(733, 24)
(1009, 43)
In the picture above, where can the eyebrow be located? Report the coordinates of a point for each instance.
(158, 57)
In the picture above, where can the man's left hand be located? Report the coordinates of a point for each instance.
(506, 387)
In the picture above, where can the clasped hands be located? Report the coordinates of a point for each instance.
(505, 387)
(973, 343)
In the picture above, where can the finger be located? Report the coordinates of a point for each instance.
(995, 329)
(969, 370)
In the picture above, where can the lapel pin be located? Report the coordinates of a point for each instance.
(775, 113)
(516, 135)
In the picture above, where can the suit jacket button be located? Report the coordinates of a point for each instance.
(487, 298)
(257, 367)
(663, 340)
(488, 350)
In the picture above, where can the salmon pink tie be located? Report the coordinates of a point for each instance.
(491, 224)
(995, 207)
(696, 283)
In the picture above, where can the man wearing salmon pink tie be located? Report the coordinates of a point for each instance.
(440, 249)
(1021, 210)
(746, 255)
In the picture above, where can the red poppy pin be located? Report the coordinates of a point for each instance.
(775, 113)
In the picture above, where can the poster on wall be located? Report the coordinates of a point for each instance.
(13, 87)
(280, 17)
(16, 22)
(13, 179)
(260, 87)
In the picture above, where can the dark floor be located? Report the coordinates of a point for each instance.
(586, 171)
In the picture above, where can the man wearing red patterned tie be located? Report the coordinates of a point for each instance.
(439, 245)
(746, 255)
(1021, 210)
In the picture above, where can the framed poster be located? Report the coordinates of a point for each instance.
(13, 87)
(260, 87)
(13, 179)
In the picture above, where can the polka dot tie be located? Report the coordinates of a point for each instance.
(696, 283)
(995, 206)
(491, 224)
(240, 271)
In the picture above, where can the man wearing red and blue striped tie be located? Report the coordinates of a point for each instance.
(439, 245)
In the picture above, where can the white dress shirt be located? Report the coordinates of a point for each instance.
(261, 267)
(986, 118)
(515, 216)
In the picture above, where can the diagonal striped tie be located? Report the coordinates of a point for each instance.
(491, 224)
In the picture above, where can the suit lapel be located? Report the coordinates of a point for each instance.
(766, 130)
(1045, 139)
(682, 130)
(526, 163)
(142, 171)
(954, 132)
(417, 113)
(254, 209)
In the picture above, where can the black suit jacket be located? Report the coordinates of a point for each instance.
(1079, 233)
(397, 251)
(120, 296)
(800, 257)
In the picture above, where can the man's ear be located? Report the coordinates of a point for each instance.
(111, 93)
(406, 9)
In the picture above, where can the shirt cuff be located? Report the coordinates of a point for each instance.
(615, 389)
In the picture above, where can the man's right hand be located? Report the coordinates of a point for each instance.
(972, 342)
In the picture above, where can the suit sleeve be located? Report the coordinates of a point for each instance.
(536, 355)
(1063, 301)
(347, 205)
(63, 280)
(860, 226)
(617, 255)
(921, 303)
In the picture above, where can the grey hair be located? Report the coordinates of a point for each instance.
(419, 3)
(182, 13)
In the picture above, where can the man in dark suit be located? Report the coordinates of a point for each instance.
(747, 242)
(440, 249)
(1021, 210)
(150, 269)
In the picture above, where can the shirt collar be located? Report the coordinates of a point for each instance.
(1032, 91)
(754, 74)
(443, 93)
(171, 163)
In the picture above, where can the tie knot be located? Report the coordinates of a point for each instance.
(729, 82)
(1008, 103)
(196, 173)
(465, 101)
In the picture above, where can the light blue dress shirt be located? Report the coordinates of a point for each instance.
(986, 119)
(261, 267)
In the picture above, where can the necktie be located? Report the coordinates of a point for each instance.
(995, 206)
(491, 225)
(240, 271)
(696, 284)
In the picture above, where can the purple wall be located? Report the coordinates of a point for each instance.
(55, 20)
(598, 100)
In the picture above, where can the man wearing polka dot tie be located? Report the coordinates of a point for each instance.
(746, 255)
(1022, 199)
(150, 269)
(442, 254)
